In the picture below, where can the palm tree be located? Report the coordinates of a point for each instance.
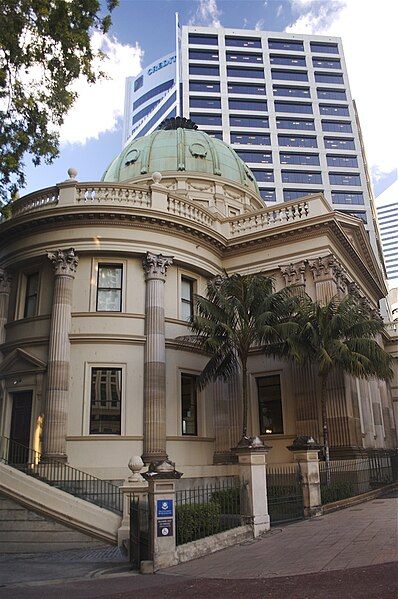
(338, 336)
(240, 312)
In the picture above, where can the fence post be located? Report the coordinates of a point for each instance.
(252, 463)
(133, 485)
(305, 452)
(161, 477)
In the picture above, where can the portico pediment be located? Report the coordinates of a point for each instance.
(20, 361)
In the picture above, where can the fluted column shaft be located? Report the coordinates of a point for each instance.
(155, 267)
(58, 368)
(5, 288)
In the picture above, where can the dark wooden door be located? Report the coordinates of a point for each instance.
(20, 427)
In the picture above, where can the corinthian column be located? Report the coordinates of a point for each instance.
(56, 415)
(329, 278)
(155, 267)
(5, 288)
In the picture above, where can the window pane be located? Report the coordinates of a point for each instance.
(189, 405)
(206, 119)
(294, 194)
(295, 124)
(196, 102)
(300, 107)
(203, 55)
(106, 397)
(254, 139)
(270, 405)
(287, 158)
(301, 177)
(345, 197)
(247, 105)
(336, 160)
(109, 300)
(344, 179)
(337, 143)
(289, 75)
(249, 73)
(297, 142)
(326, 63)
(337, 126)
(333, 110)
(268, 195)
(264, 176)
(248, 121)
(109, 276)
(201, 86)
(328, 78)
(325, 48)
(205, 40)
(241, 88)
(294, 92)
(241, 57)
(295, 61)
(32, 285)
(285, 45)
(258, 157)
(243, 42)
(30, 306)
(186, 289)
(332, 94)
(197, 69)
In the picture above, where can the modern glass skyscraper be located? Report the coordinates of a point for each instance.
(387, 212)
(281, 100)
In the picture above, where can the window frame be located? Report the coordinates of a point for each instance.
(26, 277)
(259, 375)
(89, 366)
(98, 288)
(194, 376)
(193, 287)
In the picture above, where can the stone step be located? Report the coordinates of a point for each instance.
(46, 536)
(19, 514)
(31, 525)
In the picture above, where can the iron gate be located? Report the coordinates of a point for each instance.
(285, 495)
(140, 529)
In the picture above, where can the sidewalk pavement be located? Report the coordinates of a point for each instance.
(363, 535)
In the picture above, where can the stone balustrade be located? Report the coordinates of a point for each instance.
(36, 201)
(93, 194)
(273, 216)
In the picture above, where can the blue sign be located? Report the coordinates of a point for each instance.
(164, 508)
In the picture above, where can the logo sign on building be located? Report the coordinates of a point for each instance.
(164, 508)
(165, 527)
(161, 65)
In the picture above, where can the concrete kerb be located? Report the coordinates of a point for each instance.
(350, 501)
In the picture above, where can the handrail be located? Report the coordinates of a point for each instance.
(60, 475)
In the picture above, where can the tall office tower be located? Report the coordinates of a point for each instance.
(387, 212)
(281, 100)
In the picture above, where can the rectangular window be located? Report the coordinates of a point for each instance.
(346, 161)
(324, 48)
(297, 142)
(294, 61)
(331, 94)
(109, 288)
(140, 115)
(270, 405)
(31, 295)
(203, 55)
(263, 176)
(195, 102)
(295, 158)
(292, 92)
(249, 73)
(207, 119)
(337, 143)
(333, 110)
(337, 126)
(242, 57)
(189, 405)
(242, 88)
(347, 197)
(301, 177)
(216, 134)
(248, 121)
(202, 86)
(300, 107)
(242, 42)
(294, 194)
(209, 70)
(289, 75)
(256, 157)
(236, 104)
(303, 124)
(268, 195)
(106, 401)
(203, 40)
(326, 63)
(186, 298)
(359, 214)
(329, 78)
(253, 139)
(285, 45)
(344, 179)
(138, 83)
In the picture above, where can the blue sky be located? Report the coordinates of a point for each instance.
(143, 30)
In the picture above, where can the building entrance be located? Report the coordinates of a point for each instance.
(20, 427)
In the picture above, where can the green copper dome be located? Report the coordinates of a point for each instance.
(179, 146)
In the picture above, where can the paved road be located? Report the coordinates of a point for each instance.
(350, 554)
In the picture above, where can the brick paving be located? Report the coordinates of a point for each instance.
(360, 536)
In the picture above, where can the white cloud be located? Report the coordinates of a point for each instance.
(279, 10)
(259, 25)
(99, 106)
(368, 32)
(207, 14)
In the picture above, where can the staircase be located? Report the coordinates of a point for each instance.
(46, 504)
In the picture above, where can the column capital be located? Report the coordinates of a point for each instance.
(5, 280)
(155, 265)
(64, 262)
(328, 268)
(293, 273)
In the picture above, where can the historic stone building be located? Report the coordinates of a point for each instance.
(97, 282)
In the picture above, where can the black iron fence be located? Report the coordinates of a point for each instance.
(208, 510)
(140, 530)
(284, 493)
(347, 478)
(58, 474)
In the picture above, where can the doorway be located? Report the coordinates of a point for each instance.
(20, 427)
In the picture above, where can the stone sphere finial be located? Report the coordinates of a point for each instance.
(136, 465)
(157, 177)
(72, 172)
